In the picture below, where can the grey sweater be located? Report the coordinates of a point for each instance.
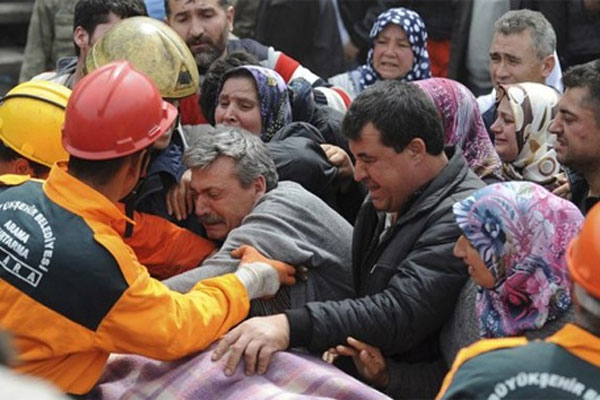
(291, 225)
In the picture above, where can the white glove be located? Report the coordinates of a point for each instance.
(260, 279)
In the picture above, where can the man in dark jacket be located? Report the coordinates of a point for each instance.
(279, 21)
(406, 278)
(205, 26)
(577, 130)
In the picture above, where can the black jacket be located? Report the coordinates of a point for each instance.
(278, 23)
(580, 190)
(407, 283)
(298, 157)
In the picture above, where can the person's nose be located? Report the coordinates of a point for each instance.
(230, 116)
(502, 73)
(496, 127)
(555, 127)
(458, 250)
(389, 48)
(360, 172)
(201, 207)
(197, 29)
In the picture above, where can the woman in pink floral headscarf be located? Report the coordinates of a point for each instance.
(463, 126)
(515, 235)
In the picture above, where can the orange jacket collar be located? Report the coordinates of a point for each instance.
(80, 198)
(579, 342)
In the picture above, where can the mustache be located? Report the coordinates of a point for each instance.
(211, 219)
(200, 40)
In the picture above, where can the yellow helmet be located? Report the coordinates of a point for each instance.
(153, 48)
(31, 119)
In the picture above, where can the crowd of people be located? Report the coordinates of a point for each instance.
(186, 213)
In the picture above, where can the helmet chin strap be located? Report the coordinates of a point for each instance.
(144, 165)
(129, 198)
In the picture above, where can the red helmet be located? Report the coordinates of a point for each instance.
(115, 111)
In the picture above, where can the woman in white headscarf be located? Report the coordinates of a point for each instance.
(522, 139)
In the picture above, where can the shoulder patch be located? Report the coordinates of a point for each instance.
(51, 255)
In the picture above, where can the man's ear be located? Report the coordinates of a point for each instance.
(548, 65)
(81, 39)
(416, 149)
(260, 187)
(21, 166)
(230, 12)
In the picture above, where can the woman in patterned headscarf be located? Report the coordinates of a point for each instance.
(463, 126)
(256, 99)
(521, 134)
(398, 51)
(514, 240)
(253, 98)
(515, 236)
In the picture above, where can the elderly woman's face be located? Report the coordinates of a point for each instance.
(478, 271)
(392, 53)
(505, 134)
(239, 105)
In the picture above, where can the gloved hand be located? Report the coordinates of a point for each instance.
(260, 275)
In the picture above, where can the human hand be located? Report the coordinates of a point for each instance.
(564, 188)
(368, 360)
(248, 254)
(329, 357)
(257, 339)
(339, 158)
(179, 198)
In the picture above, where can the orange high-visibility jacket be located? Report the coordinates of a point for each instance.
(71, 291)
(164, 248)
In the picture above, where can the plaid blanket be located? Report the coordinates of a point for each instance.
(290, 376)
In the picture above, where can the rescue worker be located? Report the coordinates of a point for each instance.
(89, 20)
(565, 366)
(71, 291)
(31, 117)
(155, 49)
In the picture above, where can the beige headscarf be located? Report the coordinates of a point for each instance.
(533, 106)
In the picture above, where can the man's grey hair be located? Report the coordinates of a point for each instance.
(543, 37)
(252, 159)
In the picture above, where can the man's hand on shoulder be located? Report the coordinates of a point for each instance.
(256, 339)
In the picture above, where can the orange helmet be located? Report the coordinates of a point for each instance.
(583, 254)
(115, 111)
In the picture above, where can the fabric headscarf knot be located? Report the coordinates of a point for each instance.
(275, 108)
(521, 232)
